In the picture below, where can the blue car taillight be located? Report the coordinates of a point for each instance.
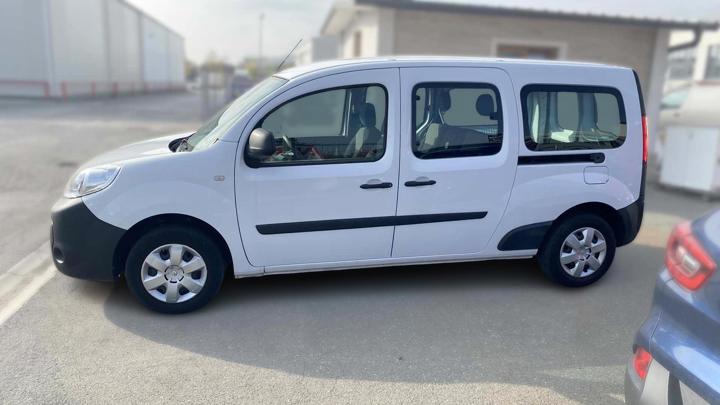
(686, 259)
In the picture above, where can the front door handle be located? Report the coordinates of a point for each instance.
(369, 185)
(420, 183)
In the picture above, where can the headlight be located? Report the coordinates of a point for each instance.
(91, 180)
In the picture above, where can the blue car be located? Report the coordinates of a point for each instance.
(676, 355)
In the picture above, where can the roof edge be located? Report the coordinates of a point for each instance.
(537, 13)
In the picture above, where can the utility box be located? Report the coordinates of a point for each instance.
(691, 159)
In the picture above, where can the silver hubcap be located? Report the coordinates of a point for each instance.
(583, 252)
(173, 273)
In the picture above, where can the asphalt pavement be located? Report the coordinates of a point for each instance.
(485, 332)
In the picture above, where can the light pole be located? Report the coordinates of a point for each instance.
(260, 44)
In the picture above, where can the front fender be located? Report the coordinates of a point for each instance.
(197, 184)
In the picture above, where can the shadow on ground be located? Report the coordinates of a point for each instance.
(460, 323)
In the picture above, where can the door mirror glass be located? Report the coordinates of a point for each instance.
(261, 144)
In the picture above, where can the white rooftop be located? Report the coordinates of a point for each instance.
(409, 61)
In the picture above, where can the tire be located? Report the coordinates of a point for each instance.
(589, 230)
(187, 283)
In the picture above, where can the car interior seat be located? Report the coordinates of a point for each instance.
(367, 136)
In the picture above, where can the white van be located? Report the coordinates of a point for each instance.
(366, 163)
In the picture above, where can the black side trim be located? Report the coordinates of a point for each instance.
(525, 237)
(674, 395)
(640, 92)
(631, 217)
(597, 157)
(370, 222)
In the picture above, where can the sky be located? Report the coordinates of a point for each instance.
(230, 28)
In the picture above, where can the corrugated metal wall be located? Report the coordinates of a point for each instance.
(124, 46)
(67, 48)
(24, 67)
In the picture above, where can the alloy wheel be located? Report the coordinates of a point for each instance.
(173, 273)
(583, 252)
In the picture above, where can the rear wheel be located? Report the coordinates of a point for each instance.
(174, 269)
(579, 251)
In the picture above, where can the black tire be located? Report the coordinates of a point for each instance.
(195, 239)
(549, 254)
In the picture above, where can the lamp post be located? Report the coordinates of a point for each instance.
(260, 45)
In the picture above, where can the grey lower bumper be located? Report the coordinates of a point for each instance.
(82, 245)
(659, 387)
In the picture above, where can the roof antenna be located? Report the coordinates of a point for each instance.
(277, 69)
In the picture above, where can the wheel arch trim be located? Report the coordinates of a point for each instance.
(140, 228)
(624, 223)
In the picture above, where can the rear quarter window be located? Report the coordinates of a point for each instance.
(562, 117)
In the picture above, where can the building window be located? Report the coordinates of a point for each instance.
(456, 120)
(712, 71)
(357, 44)
(558, 117)
(681, 64)
(528, 52)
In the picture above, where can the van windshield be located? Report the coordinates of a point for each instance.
(216, 126)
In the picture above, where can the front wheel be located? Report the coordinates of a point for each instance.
(174, 269)
(579, 251)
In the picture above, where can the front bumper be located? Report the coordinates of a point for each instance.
(82, 245)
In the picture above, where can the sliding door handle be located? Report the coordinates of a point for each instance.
(419, 183)
(367, 186)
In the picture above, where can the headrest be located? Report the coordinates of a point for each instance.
(485, 105)
(588, 111)
(442, 100)
(367, 115)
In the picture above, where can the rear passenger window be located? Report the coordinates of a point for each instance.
(456, 120)
(572, 117)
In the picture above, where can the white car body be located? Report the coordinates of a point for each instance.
(156, 181)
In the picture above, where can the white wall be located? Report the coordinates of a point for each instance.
(23, 49)
(124, 46)
(73, 48)
(325, 47)
(317, 49)
(176, 59)
(366, 22)
(701, 51)
(163, 56)
(79, 47)
(304, 53)
(155, 52)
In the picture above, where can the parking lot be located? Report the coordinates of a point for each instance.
(490, 332)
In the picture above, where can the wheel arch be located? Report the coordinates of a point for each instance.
(136, 231)
(602, 210)
(534, 236)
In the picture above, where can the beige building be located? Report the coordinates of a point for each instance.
(699, 64)
(367, 28)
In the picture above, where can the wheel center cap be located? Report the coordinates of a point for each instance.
(174, 274)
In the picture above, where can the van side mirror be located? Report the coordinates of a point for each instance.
(261, 144)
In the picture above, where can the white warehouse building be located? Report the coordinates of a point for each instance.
(69, 48)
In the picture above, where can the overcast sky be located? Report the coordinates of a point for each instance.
(230, 27)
